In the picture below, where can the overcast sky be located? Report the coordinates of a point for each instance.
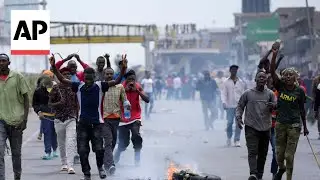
(205, 13)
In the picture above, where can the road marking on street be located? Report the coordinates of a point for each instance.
(30, 138)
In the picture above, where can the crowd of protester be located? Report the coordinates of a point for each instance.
(102, 107)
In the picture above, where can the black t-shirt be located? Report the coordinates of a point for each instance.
(289, 102)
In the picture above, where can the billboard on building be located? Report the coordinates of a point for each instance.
(265, 29)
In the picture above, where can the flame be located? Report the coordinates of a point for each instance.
(171, 169)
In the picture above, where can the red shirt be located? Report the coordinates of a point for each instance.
(79, 74)
(134, 99)
(3, 77)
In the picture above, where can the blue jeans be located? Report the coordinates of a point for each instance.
(50, 136)
(231, 113)
(274, 164)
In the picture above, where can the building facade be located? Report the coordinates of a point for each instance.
(299, 40)
(255, 6)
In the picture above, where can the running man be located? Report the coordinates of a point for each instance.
(13, 121)
(290, 113)
(220, 80)
(258, 103)
(51, 75)
(40, 104)
(148, 86)
(208, 89)
(115, 96)
(64, 102)
(91, 124)
(134, 91)
(233, 88)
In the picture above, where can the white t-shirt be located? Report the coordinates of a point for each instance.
(177, 83)
(147, 85)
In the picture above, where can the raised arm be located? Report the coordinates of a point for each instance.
(61, 62)
(57, 72)
(143, 96)
(279, 60)
(122, 72)
(274, 75)
(84, 65)
(263, 60)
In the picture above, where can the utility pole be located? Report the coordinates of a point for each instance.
(241, 42)
(310, 26)
(44, 3)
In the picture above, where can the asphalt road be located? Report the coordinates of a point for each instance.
(174, 134)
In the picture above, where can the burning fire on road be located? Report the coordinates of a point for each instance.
(181, 172)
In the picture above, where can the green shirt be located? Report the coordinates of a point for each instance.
(11, 98)
(289, 102)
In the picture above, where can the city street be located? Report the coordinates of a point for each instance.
(175, 133)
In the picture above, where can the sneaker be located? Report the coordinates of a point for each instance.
(252, 177)
(102, 173)
(279, 174)
(112, 170)
(237, 144)
(47, 157)
(76, 159)
(71, 171)
(64, 168)
(55, 154)
(229, 142)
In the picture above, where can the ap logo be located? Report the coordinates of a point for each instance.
(30, 32)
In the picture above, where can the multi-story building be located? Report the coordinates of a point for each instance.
(297, 37)
(192, 51)
(242, 48)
